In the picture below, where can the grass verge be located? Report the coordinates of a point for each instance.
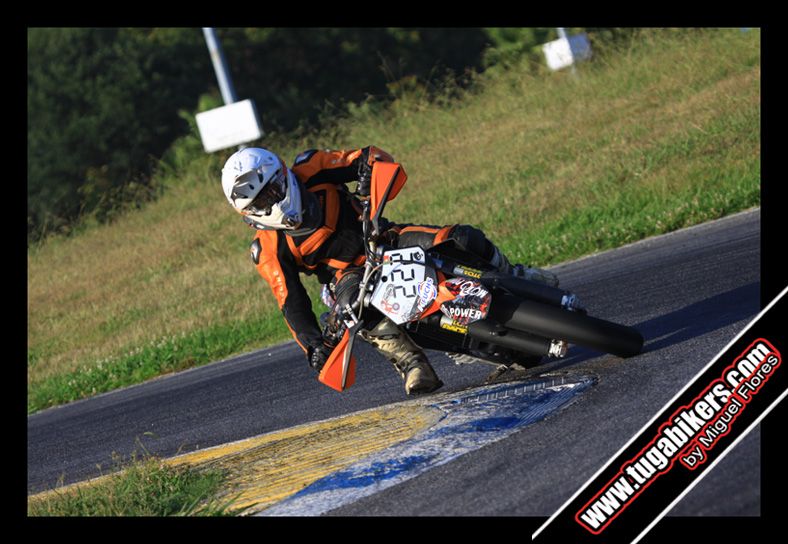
(145, 487)
(158, 358)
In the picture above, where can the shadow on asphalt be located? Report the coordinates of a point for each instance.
(701, 317)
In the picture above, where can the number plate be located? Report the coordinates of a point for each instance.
(406, 286)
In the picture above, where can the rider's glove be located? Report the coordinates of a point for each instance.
(318, 355)
(369, 155)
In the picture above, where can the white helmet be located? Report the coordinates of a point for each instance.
(261, 188)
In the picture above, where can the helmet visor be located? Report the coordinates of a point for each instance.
(273, 192)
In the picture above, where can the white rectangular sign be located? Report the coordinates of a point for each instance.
(228, 126)
(566, 51)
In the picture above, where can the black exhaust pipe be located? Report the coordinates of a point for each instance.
(517, 340)
(555, 323)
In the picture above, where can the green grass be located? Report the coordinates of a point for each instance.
(657, 135)
(145, 487)
(157, 358)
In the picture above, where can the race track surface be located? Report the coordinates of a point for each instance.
(688, 292)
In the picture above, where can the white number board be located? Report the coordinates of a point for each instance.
(406, 287)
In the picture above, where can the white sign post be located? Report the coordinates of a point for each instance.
(228, 126)
(236, 123)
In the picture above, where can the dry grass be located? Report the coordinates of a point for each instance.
(151, 275)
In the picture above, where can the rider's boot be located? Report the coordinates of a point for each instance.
(501, 263)
(408, 359)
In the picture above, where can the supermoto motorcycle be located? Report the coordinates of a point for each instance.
(450, 300)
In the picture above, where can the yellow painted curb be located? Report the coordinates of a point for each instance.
(268, 468)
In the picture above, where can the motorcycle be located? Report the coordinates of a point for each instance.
(450, 300)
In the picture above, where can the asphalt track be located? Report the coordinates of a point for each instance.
(689, 293)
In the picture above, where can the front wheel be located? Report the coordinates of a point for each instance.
(560, 324)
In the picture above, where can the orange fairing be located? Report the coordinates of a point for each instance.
(331, 375)
(384, 173)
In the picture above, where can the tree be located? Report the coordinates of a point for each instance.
(102, 103)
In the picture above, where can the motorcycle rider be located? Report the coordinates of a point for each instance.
(308, 221)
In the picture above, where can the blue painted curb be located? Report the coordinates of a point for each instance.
(473, 419)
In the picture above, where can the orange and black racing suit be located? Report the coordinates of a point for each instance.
(330, 244)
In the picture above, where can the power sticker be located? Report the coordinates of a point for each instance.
(471, 301)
